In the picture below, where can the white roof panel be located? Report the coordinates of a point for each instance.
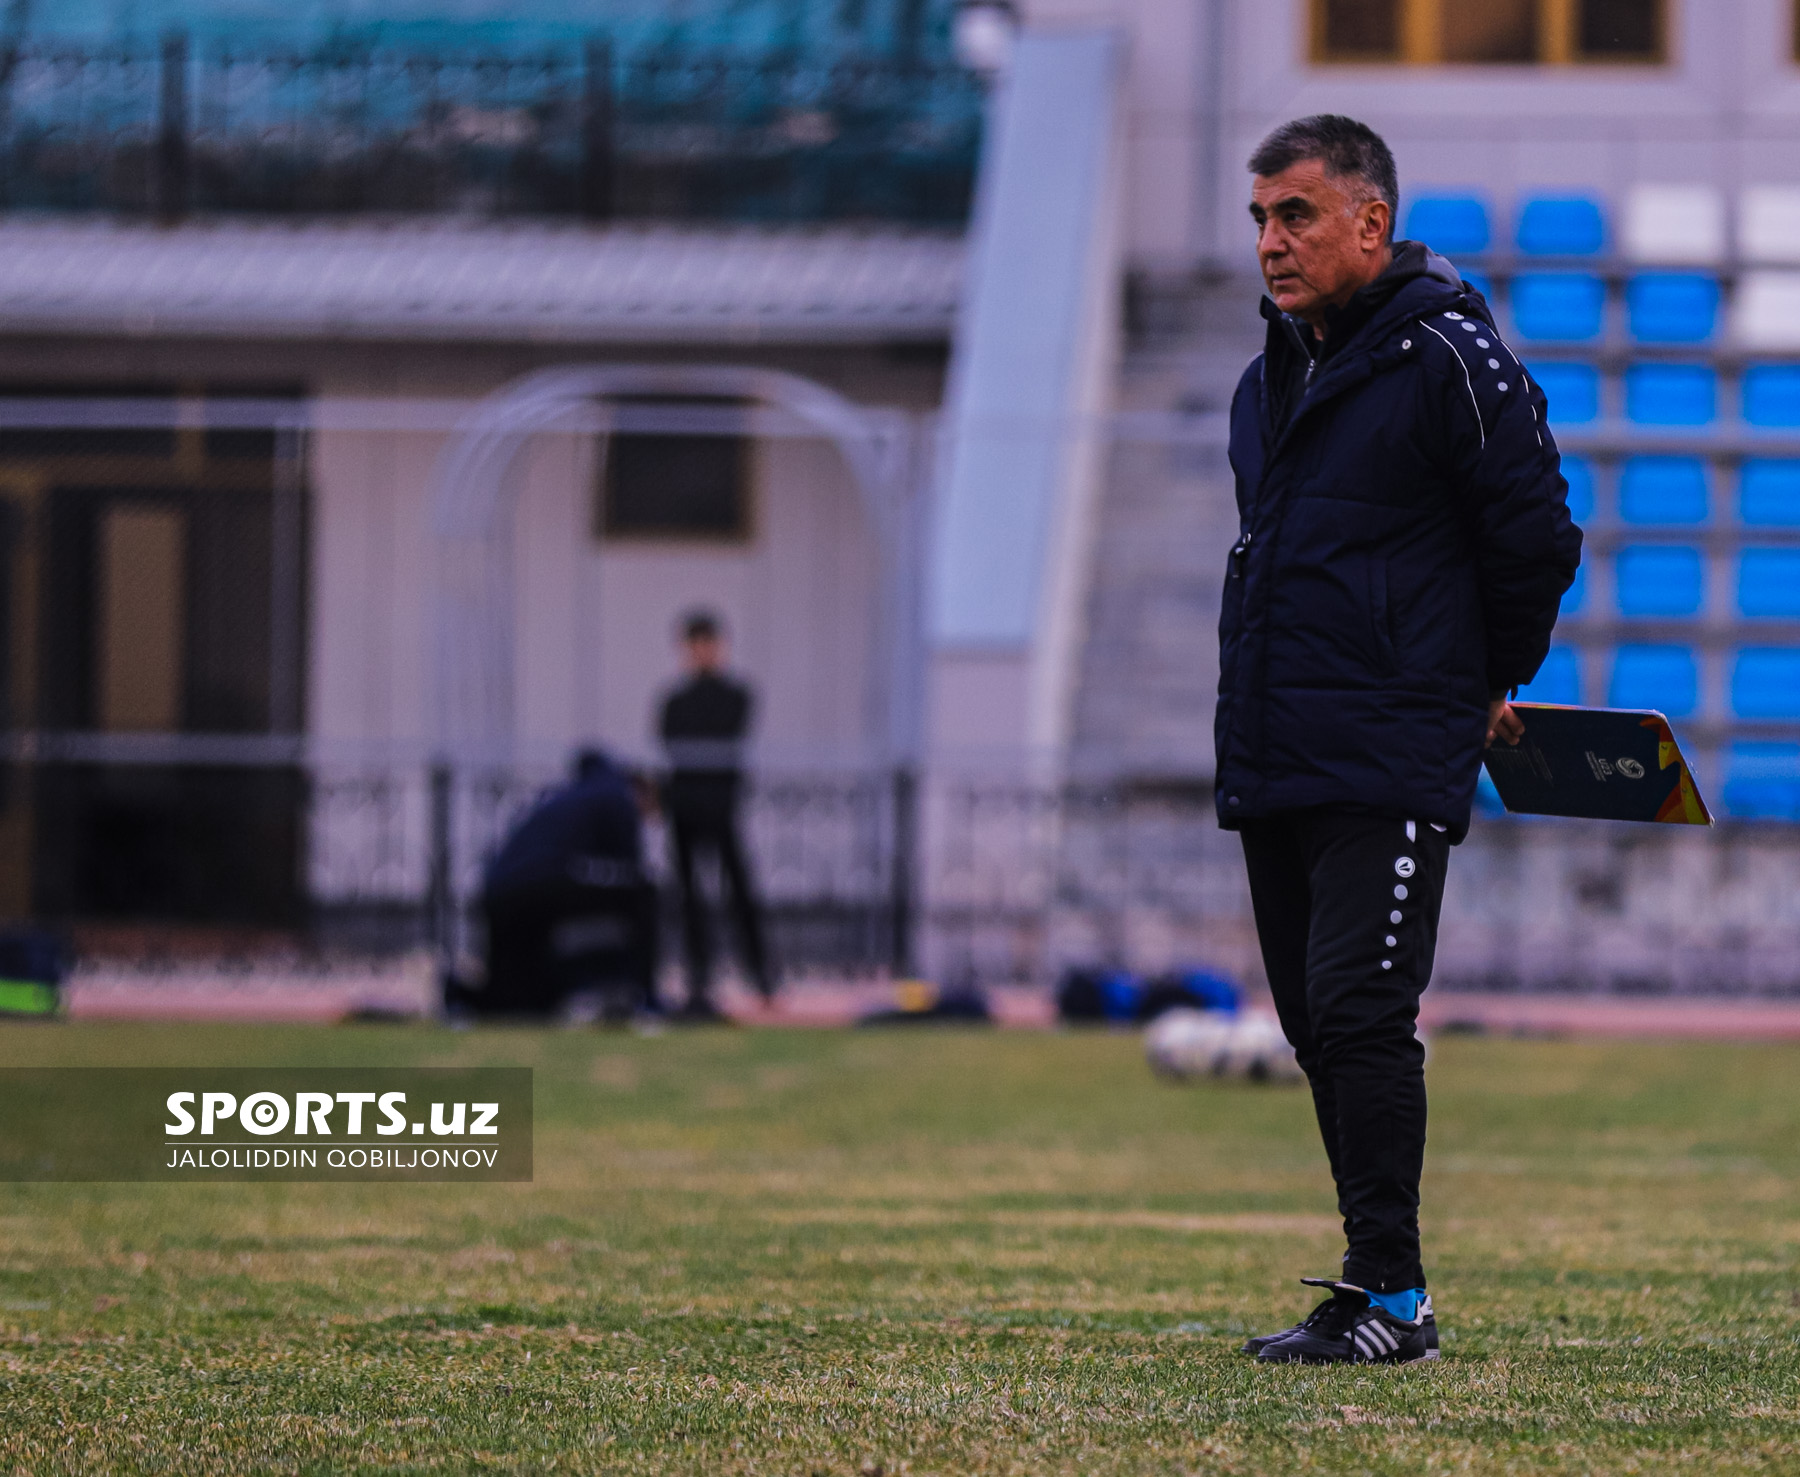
(442, 280)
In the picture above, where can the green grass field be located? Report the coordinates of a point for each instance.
(812, 1252)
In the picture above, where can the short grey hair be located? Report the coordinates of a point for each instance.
(1350, 151)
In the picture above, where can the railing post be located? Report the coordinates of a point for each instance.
(440, 894)
(594, 185)
(909, 32)
(172, 160)
(900, 903)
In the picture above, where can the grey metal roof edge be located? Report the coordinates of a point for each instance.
(868, 330)
(450, 280)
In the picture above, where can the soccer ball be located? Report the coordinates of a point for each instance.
(1260, 1052)
(1186, 1044)
(1182, 1044)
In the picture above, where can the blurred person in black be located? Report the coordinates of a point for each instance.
(572, 919)
(703, 726)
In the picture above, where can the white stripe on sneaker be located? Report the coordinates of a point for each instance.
(1366, 1345)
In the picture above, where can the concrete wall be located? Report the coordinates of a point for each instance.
(593, 621)
(1166, 114)
(1722, 111)
(1207, 78)
(596, 619)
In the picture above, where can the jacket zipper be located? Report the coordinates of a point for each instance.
(1241, 549)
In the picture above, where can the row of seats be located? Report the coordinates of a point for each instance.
(1663, 227)
(1570, 307)
(1765, 680)
(1662, 224)
(1670, 394)
(1660, 230)
(1762, 781)
(1669, 581)
(1658, 490)
(1662, 308)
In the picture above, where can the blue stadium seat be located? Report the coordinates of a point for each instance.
(1573, 390)
(1576, 595)
(1765, 682)
(1772, 394)
(1482, 283)
(1579, 473)
(1566, 306)
(1770, 491)
(1655, 579)
(1561, 225)
(1663, 489)
(1654, 676)
(1671, 394)
(1769, 584)
(1672, 307)
(1762, 782)
(1448, 223)
(1557, 681)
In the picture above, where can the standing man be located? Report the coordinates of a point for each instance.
(1404, 543)
(703, 727)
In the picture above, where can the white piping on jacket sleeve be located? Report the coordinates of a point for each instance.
(1473, 402)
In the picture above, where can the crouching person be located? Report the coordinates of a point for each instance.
(572, 918)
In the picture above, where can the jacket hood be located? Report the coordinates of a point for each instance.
(1417, 281)
(1414, 262)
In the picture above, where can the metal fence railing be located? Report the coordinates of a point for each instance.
(395, 855)
(216, 694)
(584, 133)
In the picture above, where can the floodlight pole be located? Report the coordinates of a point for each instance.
(440, 891)
(173, 172)
(904, 862)
(594, 187)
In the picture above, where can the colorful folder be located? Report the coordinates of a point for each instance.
(1609, 764)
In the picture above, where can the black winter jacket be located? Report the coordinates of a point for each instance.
(1404, 543)
(594, 819)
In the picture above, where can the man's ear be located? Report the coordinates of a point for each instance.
(1377, 223)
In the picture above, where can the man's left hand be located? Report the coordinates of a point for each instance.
(1503, 722)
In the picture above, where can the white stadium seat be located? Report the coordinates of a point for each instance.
(1766, 313)
(1674, 224)
(1769, 224)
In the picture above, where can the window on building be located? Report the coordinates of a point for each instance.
(1357, 30)
(657, 485)
(151, 581)
(1491, 32)
(1619, 30)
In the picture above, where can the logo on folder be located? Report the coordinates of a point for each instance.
(1561, 767)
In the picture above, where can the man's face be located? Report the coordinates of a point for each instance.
(704, 653)
(1315, 246)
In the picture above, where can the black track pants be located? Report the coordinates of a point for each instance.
(1347, 912)
(696, 830)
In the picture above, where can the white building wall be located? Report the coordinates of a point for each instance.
(798, 600)
(370, 558)
(1722, 111)
(593, 622)
(1165, 116)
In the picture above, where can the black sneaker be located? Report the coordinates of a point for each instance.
(1262, 1341)
(1349, 1329)
(699, 1011)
